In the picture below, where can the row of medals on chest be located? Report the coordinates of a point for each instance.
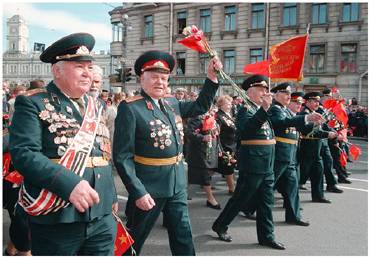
(58, 120)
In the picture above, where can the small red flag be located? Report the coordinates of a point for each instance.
(340, 113)
(343, 158)
(355, 152)
(123, 239)
(261, 68)
(330, 103)
(287, 58)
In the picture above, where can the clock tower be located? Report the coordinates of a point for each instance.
(17, 35)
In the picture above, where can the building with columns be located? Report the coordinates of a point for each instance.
(21, 65)
(241, 33)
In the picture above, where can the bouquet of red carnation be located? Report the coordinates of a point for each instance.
(196, 40)
(209, 127)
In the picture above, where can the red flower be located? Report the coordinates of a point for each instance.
(334, 90)
(355, 151)
(208, 123)
(195, 42)
(332, 123)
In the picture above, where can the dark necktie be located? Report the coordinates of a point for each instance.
(163, 109)
(81, 105)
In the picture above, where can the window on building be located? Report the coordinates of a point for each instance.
(13, 46)
(319, 13)
(117, 31)
(348, 57)
(204, 61)
(350, 12)
(180, 61)
(181, 21)
(317, 58)
(258, 16)
(104, 70)
(230, 18)
(148, 26)
(37, 69)
(48, 69)
(205, 20)
(256, 55)
(290, 14)
(25, 69)
(13, 69)
(229, 61)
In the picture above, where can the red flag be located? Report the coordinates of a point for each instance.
(123, 239)
(340, 113)
(261, 68)
(195, 42)
(355, 151)
(287, 59)
(330, 103)
(343, 158)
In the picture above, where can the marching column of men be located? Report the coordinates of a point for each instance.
(60, 145)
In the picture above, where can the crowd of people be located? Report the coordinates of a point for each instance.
(63, 139)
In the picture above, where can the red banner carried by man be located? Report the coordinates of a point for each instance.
(285, 62)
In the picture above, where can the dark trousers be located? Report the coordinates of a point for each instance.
(286, 179)
(79, 238)
(328, 164)
(18, 230)
(252, 190)
(175, 211)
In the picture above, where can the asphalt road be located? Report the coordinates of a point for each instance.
(339, 228)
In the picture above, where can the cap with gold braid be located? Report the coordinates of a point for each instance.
(297, 97)
(74, 47)
(154, 60)
(312, 95)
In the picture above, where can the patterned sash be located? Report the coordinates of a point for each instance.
(75, 159)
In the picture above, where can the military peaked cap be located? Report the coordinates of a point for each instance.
(255, 81)
(312, 95)
(74, 47)
(154, 61)
(297, 96)
(326, 92)
(282, 87)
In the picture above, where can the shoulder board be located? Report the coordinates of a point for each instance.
(33, 92)
(133, 98)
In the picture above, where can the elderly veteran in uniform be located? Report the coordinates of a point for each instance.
(285, 126)
(255, 160)
(56, 144)
(147, 151)
(311, 163)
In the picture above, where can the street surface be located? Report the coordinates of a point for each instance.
(339, 228)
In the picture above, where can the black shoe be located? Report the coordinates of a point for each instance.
(299, 223)
(333, 189)
(273, 244)
(322, 200)
(250, 216)
(344, 181)
(222, 235)
(189, 198)
(302, 187)
(216, 206)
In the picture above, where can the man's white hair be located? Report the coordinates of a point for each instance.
(96, 69)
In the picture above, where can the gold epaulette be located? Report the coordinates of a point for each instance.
(133, 98)
(33, 92)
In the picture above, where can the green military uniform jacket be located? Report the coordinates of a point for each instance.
(44, 122)
(285, 126)
(141, 129)
(253, 124)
